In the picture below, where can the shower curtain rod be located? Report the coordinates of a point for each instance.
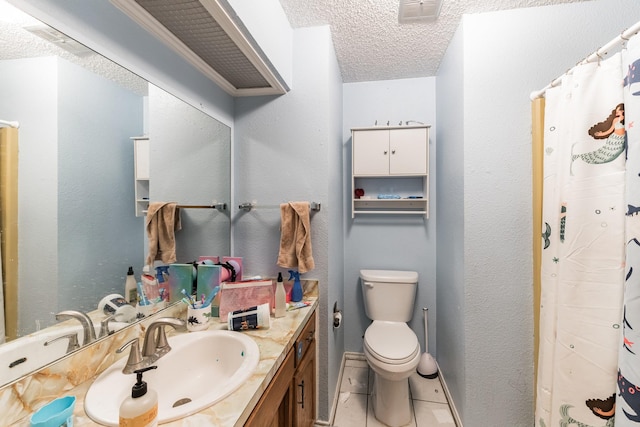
(595, 56)
(10, 123)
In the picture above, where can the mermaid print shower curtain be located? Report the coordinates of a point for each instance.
(628, 382)
(583, 255)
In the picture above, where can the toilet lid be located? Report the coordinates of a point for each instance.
(391, 342)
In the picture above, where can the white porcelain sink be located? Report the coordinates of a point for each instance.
(28, 353)
(201, 369)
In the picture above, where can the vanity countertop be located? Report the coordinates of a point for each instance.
(234, 410)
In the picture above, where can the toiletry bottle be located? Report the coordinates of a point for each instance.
(130, 289)
(281, 303)
(296, 291)
(141, 408)
(162, 276)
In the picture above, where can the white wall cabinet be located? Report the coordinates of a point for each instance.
(141, 174)
(391, 166)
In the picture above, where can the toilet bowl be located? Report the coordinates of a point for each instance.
(393, 353)
(391, 348)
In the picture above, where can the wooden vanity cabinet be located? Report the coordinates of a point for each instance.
(304, 379)
(290, 398)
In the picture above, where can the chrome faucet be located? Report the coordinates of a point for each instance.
(85, 321)
(154, 347)
(73, 341)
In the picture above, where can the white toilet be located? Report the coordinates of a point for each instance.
(391, 348)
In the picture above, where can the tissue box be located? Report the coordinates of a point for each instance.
(243, 295)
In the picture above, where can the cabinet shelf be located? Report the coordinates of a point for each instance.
(392, 206)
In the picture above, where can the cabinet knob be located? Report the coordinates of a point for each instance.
(385, 152)
(393, 151)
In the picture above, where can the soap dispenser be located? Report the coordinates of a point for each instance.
(141, 408)
(130, 288)
(281, 300)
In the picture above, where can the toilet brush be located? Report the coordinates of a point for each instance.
(427, 367)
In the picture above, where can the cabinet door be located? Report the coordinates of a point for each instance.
(370, 152)
(275, 406)
(305, 390)
(408, 149)
(141, 156)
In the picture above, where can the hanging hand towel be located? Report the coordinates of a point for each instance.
(163, 220)
(295, 237)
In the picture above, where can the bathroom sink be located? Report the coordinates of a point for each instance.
(201, 369)
(21, 356)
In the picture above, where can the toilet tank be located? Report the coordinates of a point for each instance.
(389, 294)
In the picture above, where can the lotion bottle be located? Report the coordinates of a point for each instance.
(141, 408)
(281, 303)
(130, 288)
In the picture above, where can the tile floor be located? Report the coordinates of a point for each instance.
(429, 403)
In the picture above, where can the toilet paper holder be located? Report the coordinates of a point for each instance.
(337, 316)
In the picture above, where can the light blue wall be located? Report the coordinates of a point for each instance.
(288, 148)
(389, 242)
(485, 320)
(96, 119)
(189, 164)
(450, 240)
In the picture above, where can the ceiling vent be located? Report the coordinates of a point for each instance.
(419, 10)
(206, 34)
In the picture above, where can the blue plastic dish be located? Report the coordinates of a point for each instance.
(56, 413)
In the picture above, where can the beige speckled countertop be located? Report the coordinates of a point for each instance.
(234, 410)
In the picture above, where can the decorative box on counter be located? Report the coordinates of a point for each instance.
(243, 295)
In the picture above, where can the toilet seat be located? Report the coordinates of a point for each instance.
(391, 342)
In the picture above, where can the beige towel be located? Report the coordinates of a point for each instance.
(163, 220)
(295, 237)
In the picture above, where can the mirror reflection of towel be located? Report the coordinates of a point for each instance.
(163, 220)
(295, 237)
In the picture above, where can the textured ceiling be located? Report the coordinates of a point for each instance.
(370, 43)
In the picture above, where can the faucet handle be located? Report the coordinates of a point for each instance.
(104, 326)
(135, 357)
(155, 339)
(73, 341)
(162, 344)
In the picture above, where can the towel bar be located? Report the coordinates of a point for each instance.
(248, 206)
(218, 206)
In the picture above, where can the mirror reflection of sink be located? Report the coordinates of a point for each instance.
(19, 357)
(201, 369)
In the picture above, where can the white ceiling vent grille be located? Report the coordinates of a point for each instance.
(206, 35)
(419, 10)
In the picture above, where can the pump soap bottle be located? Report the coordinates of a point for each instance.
(141, 408)
(130, 288)
(281, 301)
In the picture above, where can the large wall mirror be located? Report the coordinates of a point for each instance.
(77, 226)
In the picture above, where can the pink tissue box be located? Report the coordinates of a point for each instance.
(243, 295)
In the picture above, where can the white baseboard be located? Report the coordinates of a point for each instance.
(452, 406)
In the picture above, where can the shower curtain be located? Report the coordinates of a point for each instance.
(590, 295)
